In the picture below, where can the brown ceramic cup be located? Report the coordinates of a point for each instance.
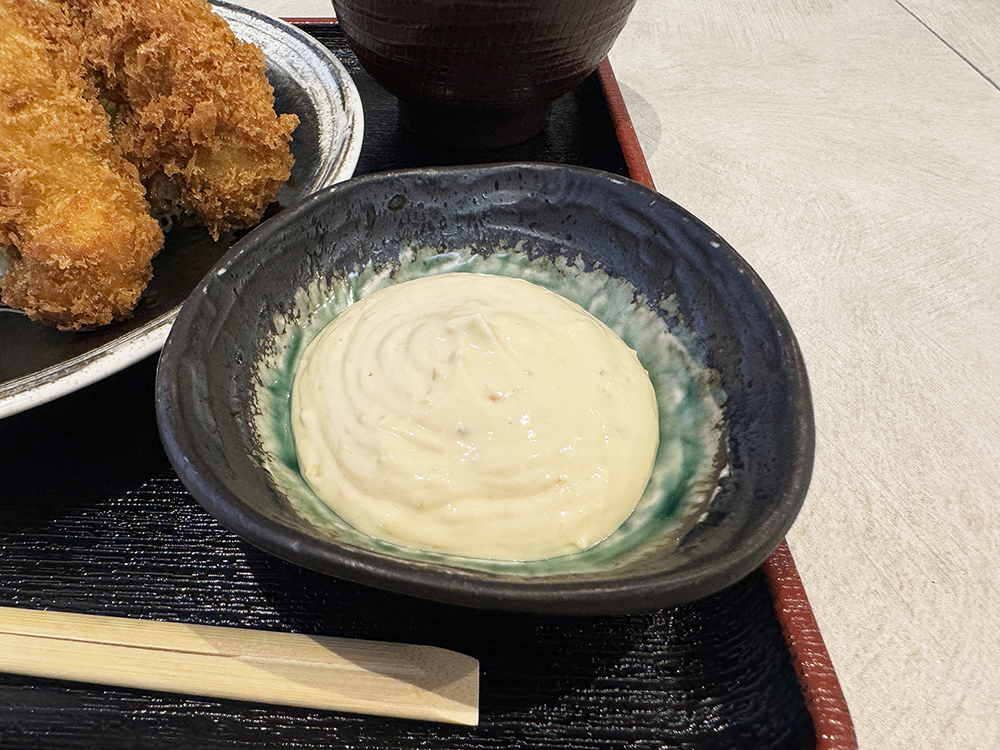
(480, 73)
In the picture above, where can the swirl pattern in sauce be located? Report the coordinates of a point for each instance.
(476, 415)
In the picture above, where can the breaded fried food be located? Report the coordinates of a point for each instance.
(74, 222)
(194, 110)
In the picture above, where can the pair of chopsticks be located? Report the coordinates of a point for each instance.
(340, 674)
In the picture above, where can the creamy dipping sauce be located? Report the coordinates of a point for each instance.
(476, 415)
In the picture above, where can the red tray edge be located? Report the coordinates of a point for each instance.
(820, 686)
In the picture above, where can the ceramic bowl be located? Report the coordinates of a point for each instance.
(480, 73)
(735, 413)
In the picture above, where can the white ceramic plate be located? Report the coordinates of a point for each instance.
(39, 363)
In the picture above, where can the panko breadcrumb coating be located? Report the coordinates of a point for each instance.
(192, 132)
(194, 110)
(74, 222)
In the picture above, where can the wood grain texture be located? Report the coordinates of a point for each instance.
(291, 669)
(852, 157)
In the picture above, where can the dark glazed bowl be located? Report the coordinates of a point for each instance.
(209, 385)
(480, 73)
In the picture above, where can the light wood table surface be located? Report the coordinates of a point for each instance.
(850, 151)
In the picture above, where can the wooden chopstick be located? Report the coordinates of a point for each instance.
(340, 674)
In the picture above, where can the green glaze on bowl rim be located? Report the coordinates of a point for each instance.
(691, 453)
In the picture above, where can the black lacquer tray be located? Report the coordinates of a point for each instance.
(93, 520)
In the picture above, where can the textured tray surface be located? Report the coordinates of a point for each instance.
(95, 521)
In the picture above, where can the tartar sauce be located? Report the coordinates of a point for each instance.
(476, 415)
